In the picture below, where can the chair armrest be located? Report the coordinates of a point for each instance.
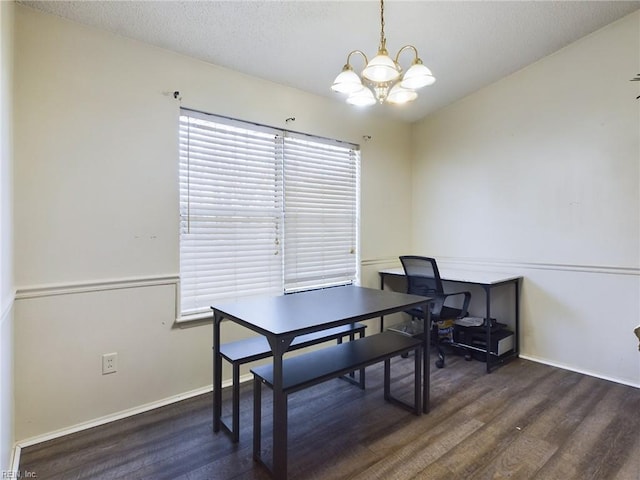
(439, 302)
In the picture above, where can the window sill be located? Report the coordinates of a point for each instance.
(203, 317)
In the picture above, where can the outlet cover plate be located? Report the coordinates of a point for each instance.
(109, 363)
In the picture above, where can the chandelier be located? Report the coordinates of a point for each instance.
(382, 80)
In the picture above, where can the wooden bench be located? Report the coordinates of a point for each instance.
(257, 348)
(318, 366)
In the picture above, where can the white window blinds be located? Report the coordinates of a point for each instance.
(231, 208)
(320, 204)
(262, 211)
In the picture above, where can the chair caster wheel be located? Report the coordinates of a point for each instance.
(440, 363)
(468, 357)
(404, 355)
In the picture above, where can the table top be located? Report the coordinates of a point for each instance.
(305, 312)
(464, 276)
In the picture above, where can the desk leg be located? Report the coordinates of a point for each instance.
(217, 372)
(426, 357)
(280, 420)
(487, 295)
(381, 317)
(517, 317)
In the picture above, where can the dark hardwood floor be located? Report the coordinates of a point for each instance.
(523, 421)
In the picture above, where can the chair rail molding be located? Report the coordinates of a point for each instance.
(5, 308)
(37, 291)
(479, 263)
(372, 262)
(476, 263)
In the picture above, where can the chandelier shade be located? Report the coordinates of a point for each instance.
(347, 81)
(382, 79)
(417, 76)
(362, 98)
(381, 69)
(400, 94)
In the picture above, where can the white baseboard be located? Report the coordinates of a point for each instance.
(112, 417)
(15, 462)
(120, 415)
(573, 369)
(14, 466)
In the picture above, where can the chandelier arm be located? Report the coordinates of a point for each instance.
(407, 47)
(366, 60)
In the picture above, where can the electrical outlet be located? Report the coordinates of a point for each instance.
(109, 363)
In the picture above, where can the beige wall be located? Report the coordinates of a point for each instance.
(7, 291)
(541, 168)
(538, 174)
(96, 213)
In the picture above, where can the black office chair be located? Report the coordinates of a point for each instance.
(423, 278)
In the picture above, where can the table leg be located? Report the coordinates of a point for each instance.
(217, 372)
(426, 357)
(280, 414)
(416, 379)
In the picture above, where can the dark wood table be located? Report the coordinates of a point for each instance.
(280, 319)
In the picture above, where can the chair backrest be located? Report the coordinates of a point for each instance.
(423, 277)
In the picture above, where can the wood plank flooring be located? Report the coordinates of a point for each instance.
(523, 421)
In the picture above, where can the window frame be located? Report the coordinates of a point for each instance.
(281, 138)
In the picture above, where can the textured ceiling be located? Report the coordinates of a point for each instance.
(304, 44)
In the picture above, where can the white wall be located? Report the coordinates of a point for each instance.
(7, 291)
(96, 213)
(95, 195)
(538, 174)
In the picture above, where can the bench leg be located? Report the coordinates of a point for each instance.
(235, 430)
(339, 340)
(416, 408)
(362, 369)
(257, 418)
(352, 375)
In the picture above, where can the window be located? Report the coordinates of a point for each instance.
(263, 211)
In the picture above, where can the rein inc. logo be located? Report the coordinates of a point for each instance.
(19, 474)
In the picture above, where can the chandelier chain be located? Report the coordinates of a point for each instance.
(382, 79)
(383, 40)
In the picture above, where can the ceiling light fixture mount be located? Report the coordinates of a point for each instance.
(382, 80)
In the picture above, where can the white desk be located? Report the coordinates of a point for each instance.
(487, 281)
